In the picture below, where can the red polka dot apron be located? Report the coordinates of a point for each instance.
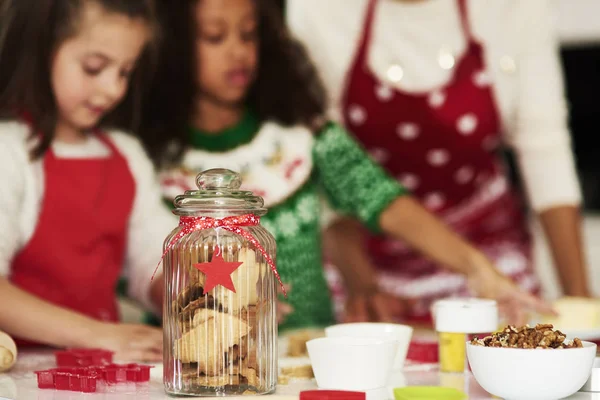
(443, 145)
(76, 254)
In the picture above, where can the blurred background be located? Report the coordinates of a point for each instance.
(578, 23)
(579, 30)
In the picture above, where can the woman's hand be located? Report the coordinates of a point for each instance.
(375, 306)
(406, 219)
(513, 302)
(130, 342)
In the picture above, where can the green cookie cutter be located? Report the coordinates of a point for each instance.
(428, 393)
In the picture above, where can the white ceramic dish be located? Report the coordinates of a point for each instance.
(531, 374)
(348, 363)
(401, 333)
(593, 382)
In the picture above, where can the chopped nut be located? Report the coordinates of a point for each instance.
(543, 336)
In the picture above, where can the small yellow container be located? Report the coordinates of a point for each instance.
(452, 351)
(455, 319)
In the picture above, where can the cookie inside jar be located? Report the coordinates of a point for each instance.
(224, 336)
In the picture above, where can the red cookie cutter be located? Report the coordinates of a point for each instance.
(114, 373)
(423, 351)
(86, 379)
(83, 357)
(332, 395)
(74, 379)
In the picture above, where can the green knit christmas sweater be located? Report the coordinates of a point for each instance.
(303, 178)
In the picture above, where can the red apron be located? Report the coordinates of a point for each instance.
(444, 146)
(77, 251)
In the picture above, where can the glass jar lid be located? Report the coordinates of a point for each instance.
(218, 193)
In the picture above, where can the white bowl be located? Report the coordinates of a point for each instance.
(531, 374)
(348, 363)
(401, 333)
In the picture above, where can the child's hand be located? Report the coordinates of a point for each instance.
(376, 306)
(130, 342)
(513, 302)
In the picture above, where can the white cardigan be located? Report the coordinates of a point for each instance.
(22, 193)
(521, 53)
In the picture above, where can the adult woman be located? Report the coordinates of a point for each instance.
(432, 89)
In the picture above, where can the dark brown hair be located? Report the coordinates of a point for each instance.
(30, 33)
(287, 88)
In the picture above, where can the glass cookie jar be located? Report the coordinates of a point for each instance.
(220, 324)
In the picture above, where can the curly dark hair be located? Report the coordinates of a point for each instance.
(287, 88)
(30, 33)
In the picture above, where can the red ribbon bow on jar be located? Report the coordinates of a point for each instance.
(232, 224)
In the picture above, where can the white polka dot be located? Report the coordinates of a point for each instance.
(395, 73)
(438, 157)
(490, 143)
(464, 175)
(434, 200)
(497, 188)
(436, 99)
(508, 64)
(467, 124)
(409, 181)
(446, 59)
(384, 93)
(408, 130)
(482, 79)
(379, 155)
(357, 114)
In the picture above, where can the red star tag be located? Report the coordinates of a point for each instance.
(218, 272)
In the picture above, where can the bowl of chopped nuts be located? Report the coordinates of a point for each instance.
(530, 363)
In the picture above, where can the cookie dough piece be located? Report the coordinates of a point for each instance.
(300, 371)
(575, 313)
(297, 342)
(8, 352)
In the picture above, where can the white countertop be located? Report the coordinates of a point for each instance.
(20, 383)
